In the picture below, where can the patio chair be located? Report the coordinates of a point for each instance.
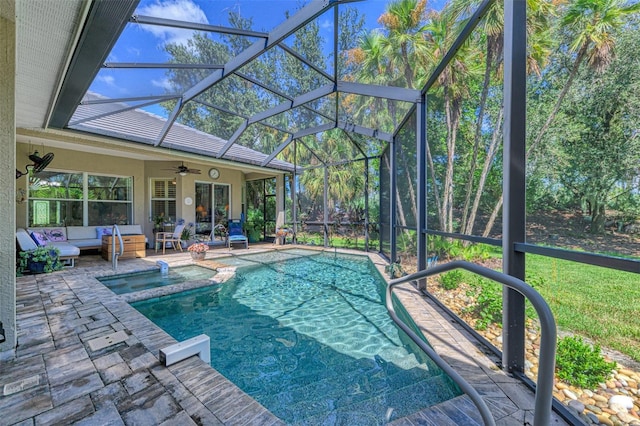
(219, 231)
(236, 236)
(172, 238)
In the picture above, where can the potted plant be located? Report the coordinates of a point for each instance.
(254, 225)
(158, 223)
(198, 251)
(43, 259)
(186, 234)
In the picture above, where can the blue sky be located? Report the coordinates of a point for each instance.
(144, 43)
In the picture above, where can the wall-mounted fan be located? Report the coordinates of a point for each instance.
(38, 164)
(183, 170)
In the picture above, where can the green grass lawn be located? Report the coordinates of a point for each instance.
(599, 303)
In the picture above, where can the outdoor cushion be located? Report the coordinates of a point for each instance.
(102, 230)
(39, 238)
(25, 241)
(130, 229)
(56, 234)
(88, 243)
(81, 232)
(66, 250)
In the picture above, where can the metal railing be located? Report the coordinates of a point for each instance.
(546, 360)
(115, 231)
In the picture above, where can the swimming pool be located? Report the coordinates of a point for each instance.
(138, 281)
(308, 337)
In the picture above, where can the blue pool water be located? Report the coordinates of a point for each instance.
(309, 338)
(127, 283)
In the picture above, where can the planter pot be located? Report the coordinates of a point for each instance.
(36, 267)
(198, 255)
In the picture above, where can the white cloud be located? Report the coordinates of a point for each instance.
(134, 51)
(107, 79)
(180, 10)
(163, 83)
(326, 24)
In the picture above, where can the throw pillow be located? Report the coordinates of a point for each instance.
(39, 238)
(102, 230)
(55, 234)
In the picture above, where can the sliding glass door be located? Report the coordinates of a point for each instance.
(212, 206)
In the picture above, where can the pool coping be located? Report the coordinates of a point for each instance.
(61, 313)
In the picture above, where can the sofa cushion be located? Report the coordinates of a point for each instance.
(81, 232)
(56, 234)
(25, 242)
(66, 250)
(130, 229)
(87, 243)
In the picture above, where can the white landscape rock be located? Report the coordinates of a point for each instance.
(623, 401)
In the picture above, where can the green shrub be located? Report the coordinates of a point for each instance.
(488, 306)
(476, 252)
(451, 280)
(580, 364)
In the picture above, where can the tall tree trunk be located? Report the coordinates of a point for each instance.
(401, 217)
(574, 71)
(492, 218)
(476, 138)
(408, 71)
(436, 193)
(491, 154)
(412, 192)
(452, 109)
(597, 217)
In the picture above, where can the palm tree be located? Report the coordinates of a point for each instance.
(403, 21)
(492, 24)
(389, 58)
(591, 25)
(453, 83)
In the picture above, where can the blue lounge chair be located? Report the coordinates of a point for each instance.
(236, 236)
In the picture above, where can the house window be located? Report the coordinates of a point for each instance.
(109, 200)
(79, 199)
(163, 201)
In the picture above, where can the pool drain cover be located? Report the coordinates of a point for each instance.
(108, 340)
(20, 385)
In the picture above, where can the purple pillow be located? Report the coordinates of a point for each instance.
(55, 235)
(39, 238)
(100, 231)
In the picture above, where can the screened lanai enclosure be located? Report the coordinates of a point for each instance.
(427, 131)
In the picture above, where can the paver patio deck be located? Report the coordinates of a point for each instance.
(85, 356)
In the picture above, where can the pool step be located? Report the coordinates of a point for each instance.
(373, 410)
(381, 381)
(324, 378)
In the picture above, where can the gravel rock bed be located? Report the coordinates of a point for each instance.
(615, 402)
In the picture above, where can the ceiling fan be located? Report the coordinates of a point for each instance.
(183, 170)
